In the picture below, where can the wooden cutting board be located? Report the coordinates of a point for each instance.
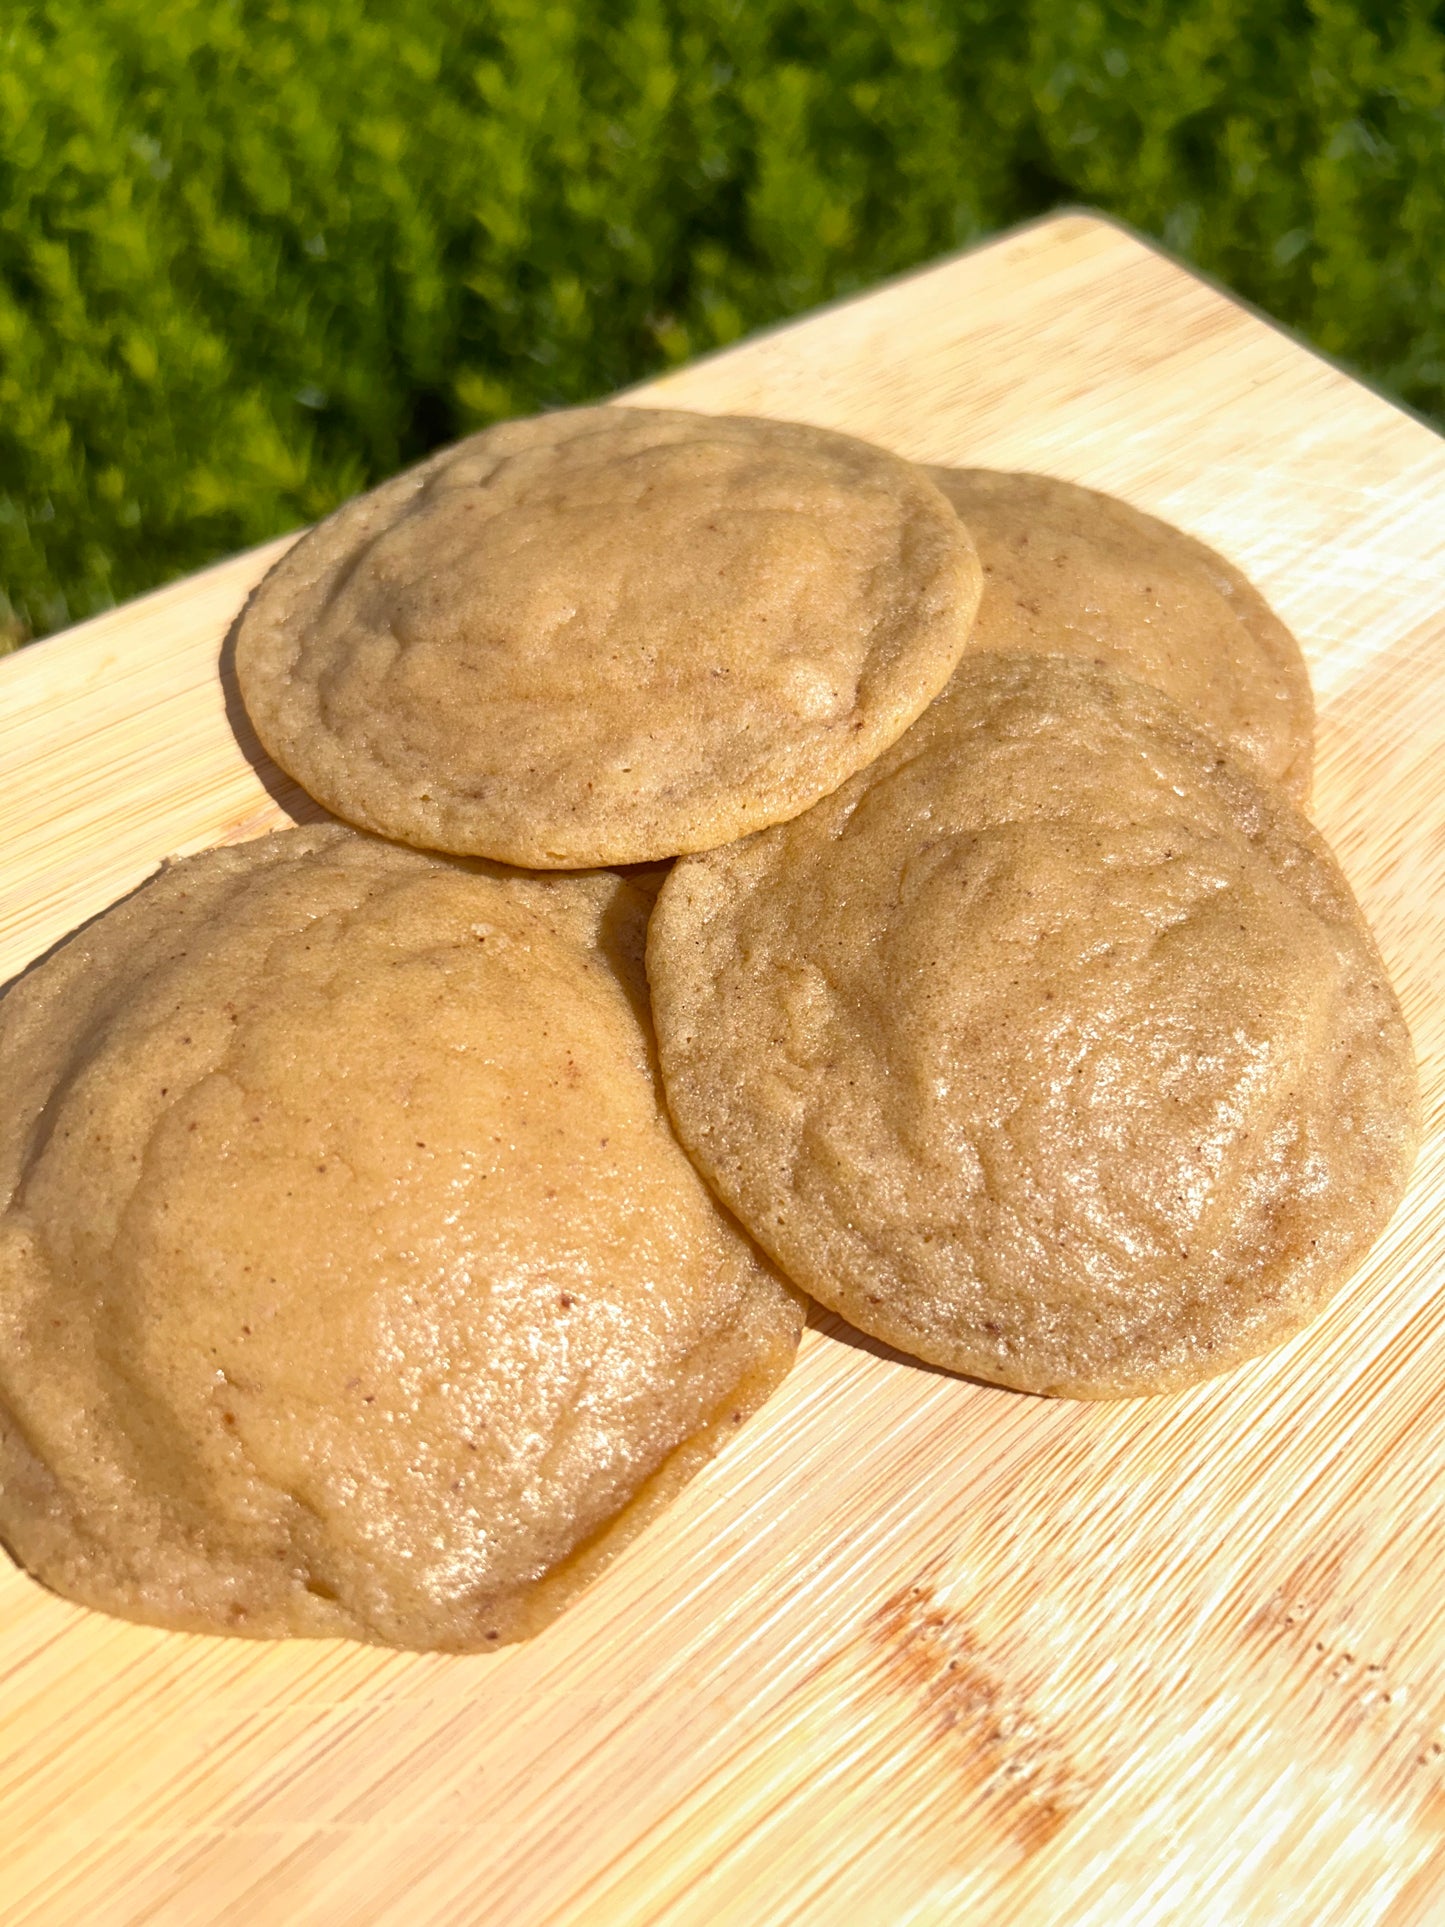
(914, 1650)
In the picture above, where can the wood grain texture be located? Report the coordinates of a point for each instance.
(914, 1650)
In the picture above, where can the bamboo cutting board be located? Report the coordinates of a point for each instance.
(913, 1650)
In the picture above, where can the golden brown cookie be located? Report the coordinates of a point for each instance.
(1052, 1048)
(1070, 572)
(351, 1278)
(608, 635)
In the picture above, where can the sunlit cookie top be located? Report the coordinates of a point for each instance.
(1071, 572)
(1051, 1048)
(608, 635)
(352, 1280)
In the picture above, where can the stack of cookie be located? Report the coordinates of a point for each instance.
(372, 1266)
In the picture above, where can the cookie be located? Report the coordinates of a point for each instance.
(1070, 572)
(1053, 1048)
(352, 1281)
(608, 635)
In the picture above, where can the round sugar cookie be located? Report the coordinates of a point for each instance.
(352, 1281)
(1070, 572)
(608, 635)
(1053, 1048)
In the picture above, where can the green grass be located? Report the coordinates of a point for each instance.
(254, 256)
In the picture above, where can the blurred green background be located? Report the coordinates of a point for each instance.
(255, 254)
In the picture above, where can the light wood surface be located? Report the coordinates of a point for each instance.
(914, 1650)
